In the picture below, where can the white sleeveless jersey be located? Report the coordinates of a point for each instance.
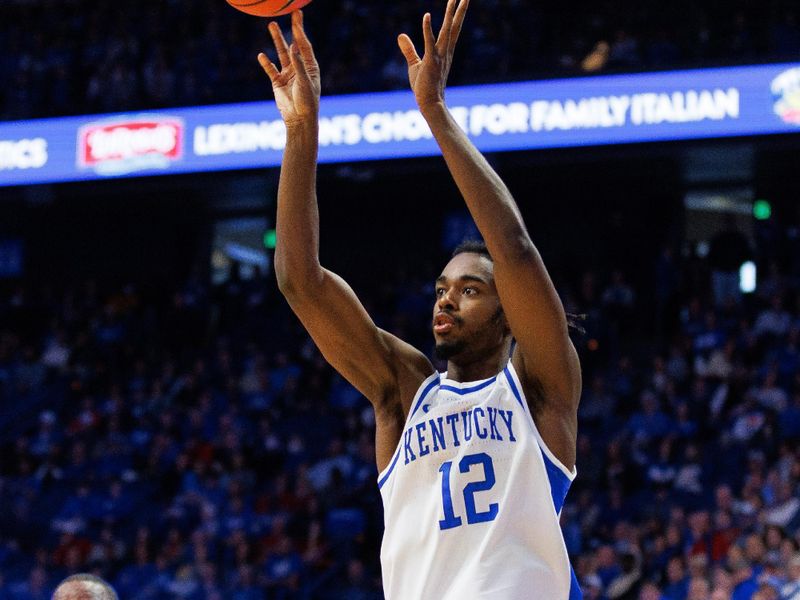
(472, 498)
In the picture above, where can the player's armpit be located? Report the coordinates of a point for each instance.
(555, 418)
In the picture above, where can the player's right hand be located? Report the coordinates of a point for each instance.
(297, 84)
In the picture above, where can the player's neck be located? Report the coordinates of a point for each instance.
(484, 368)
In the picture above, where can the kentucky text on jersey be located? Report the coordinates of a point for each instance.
(432, 435)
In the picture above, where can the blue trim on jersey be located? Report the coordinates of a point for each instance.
(424, 393)
(559, 486)
(475, 388)
(391, 468)
(559, 483)
(575, 592)
(513, 385)
(422, 396)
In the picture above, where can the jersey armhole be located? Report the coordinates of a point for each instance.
(423, 392)
(516, 388)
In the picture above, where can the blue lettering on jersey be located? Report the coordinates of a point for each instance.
(495, 432)
(507, 421)
(467, 416)
(478, 429)
(437, 432)
(432, 435)
(452, 420)
(409, 453)
(424, 449)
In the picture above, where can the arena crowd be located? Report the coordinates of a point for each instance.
(190, 442)
(60, 57)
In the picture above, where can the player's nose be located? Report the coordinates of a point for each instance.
(446, 301)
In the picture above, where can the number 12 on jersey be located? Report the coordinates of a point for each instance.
(465, 466)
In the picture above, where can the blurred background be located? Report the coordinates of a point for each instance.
(166, 423)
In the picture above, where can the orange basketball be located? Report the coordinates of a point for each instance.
(268, 8)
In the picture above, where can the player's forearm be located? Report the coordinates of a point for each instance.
(492, 207)
(297, 224)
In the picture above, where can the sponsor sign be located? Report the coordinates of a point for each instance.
(591, 111)
(118, 147)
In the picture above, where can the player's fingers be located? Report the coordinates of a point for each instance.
(407, 48)
(269, 68)
(427, 31)
(443, 41)
(298, 64)
(301, 39)
(280, 44)
(458, 21)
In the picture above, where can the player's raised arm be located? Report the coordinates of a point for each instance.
(383, 368)
(545, 357)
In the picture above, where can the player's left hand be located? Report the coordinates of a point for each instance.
(297, 84)
(428, 75)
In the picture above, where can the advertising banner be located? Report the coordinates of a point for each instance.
(590, 111)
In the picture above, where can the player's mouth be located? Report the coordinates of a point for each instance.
(443, 323)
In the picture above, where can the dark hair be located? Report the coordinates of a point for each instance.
(474, 246)
(107, 592)
(479, 247)
(574, 322)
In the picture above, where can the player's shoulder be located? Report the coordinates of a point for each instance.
(410, 369)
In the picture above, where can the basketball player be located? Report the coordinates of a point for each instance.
(474, 463)
(84, 587)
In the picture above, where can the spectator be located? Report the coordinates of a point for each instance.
(791, 589)
(84, 587)
(774, 321)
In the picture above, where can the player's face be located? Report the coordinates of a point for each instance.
(468, 320)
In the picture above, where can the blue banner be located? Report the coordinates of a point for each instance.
(591, 111)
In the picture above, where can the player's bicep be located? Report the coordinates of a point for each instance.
(348, 338)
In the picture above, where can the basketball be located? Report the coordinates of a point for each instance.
(268, 8)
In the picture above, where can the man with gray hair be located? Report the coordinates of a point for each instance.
(84, 587)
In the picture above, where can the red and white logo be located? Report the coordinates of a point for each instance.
(122, 146)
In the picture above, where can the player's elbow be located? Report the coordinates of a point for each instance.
(286, 284)
(283, 275)
(289, 284)
(295, 279)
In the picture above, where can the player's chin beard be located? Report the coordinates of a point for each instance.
(447, 350)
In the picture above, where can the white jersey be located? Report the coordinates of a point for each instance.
(472, 498)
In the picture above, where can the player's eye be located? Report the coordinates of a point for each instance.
(468, 291)
(439, 292)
